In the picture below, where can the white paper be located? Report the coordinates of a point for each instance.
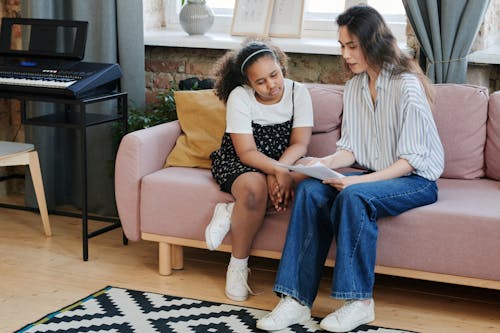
(317, 170)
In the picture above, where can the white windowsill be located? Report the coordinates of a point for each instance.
(164, 37)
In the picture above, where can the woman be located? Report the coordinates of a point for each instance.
(388, 129)
(269, 119)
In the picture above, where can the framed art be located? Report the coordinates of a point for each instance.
(251, 17)
(286, 19)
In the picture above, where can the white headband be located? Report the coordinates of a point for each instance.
(251, 56)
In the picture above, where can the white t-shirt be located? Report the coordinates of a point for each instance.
(242, 109)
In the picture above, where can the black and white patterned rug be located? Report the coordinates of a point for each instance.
(130, 311)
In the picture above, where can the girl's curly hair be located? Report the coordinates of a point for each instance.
(230, 69)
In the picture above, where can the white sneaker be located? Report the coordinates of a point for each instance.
(219, 225)
(288, 312)
(351, 315)
(237, 287)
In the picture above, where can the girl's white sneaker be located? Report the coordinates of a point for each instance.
(219, 226)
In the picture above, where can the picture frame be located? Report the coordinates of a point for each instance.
(287, 18)
(251, 17)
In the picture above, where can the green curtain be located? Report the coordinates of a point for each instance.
(446, 30)
(115, 35)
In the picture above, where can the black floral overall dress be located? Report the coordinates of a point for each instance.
(271, 140)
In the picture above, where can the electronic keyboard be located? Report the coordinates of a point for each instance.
(72, 79)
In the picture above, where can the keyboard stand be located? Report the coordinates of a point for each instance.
(79, 120)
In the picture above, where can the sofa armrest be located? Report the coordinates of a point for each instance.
(140, 153)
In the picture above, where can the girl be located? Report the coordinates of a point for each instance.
(269, 119)
(388, 129)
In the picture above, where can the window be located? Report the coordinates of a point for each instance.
(394, 14)
(319, 15)
(222, 7)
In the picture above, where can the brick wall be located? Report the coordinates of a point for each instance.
(495, 79)
(166, 66)
(10, 116)
(10, 119)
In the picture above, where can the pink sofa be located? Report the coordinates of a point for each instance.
(455, 240)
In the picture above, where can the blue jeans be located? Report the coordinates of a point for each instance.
(320, 213)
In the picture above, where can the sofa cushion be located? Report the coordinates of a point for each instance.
(492, 149)
(327, 106)
(179, 202)
(460, 112)
(323, 144)
(456, 235)
(327, 109)
(202, 117)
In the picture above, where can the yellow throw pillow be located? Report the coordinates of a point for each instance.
(202, 117)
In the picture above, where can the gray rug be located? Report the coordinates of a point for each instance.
(130, 311)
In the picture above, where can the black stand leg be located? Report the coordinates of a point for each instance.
(85, 224)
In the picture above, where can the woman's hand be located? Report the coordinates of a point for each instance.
(340, 159)
(309, 160)
(342, 183)
(398, 169)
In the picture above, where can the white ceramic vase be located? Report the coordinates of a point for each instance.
(196, 17)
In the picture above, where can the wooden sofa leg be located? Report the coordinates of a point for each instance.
(177, 257)
(165, 258)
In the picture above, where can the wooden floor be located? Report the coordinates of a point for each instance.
(39, 275)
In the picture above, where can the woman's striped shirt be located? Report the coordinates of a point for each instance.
(399, 125)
